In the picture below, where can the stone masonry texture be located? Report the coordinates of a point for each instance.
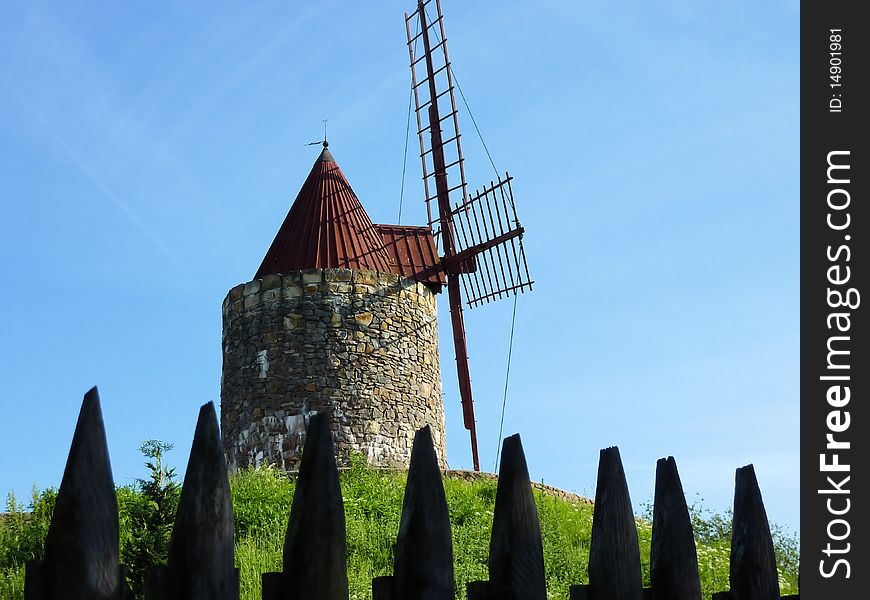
(360, 344)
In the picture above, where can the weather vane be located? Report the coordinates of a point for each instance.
(323, 141)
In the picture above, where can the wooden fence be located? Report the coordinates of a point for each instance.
(81, 549)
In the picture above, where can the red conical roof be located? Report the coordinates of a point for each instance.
(326, 228)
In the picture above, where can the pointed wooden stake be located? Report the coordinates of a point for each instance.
(315, 555)
(424, 548)
(201, 557)
(516, 553)
(673, 558)
(753, 563)
(81, 548)
(382, 588)
(614, 555)
(477, 590)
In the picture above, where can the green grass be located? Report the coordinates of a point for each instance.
(373, 501)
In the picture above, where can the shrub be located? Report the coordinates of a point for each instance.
(146, 514)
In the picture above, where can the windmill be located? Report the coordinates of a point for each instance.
(479, 235)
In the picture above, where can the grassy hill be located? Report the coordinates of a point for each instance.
(372, 501)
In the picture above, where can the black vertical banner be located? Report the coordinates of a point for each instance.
(835, 374)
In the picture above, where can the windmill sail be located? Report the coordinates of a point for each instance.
(441, 83)
(490, 241)
(485, 247)
(479, 236)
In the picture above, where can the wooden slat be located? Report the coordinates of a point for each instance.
(382, 588)
(81, 549)
(753, 562)
(673, 557)
(614, 554)
(315, 553)
(477, 590)
(516, 553)
(424, 548)
(201, 556)
(273, 586)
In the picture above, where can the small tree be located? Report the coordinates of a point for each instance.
(148, 509)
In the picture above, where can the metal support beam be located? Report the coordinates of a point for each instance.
(453, 292)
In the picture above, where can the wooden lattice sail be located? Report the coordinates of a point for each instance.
(479, 235)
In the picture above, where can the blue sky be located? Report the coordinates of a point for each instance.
(149, 151)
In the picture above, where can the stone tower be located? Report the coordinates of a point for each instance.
(340, 317)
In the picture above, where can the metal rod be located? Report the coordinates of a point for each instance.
(431, 25)
(452, 98)
(453, 164)
(478, 195)
(422, 81)
(513, 244)
(521, 287)
(484, 261)
(468, 287)
(488, 236)
(427, 56)
(496, 249)
(419, 118)
(522, 252)
(444, 118)
(425, 104)
(483, 246)
(501, 225)
(453, 139)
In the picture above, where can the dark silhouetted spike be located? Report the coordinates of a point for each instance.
(578, 592)
(81, 548)
(315, 555)
(753, 563)
(673, 558)
(424, 548)
(516, 553)
(33, 581)
(477, 590)
(155, 582)
(614, 554)
(382, 588)
(201, 557)
(273, 587)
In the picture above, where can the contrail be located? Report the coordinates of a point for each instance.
(102, 185)
(117, 200)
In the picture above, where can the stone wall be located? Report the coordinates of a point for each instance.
(474, 476)
(360, 344)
